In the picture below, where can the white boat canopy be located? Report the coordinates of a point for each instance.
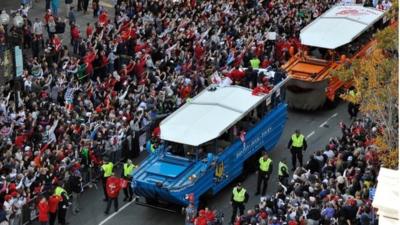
(208, 115)
(339, 26)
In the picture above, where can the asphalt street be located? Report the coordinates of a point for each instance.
(317, 126)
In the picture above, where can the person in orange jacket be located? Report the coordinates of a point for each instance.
(113, 186)
(43, 208)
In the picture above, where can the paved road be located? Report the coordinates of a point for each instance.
(318, 126)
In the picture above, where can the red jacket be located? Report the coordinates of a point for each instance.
(200, 220)
(53, 203)
(89, 31)
(75, 33)
(198, 51)
(210, 216)
(113, 186)
(237, 75)
(43, 209)
(139, 68)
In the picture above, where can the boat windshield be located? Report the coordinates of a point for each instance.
(182, 150)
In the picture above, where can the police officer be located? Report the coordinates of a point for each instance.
(238, 199)
(106, 169)
(297, 144)
(353, 107)
(127, 175)
(283, 172)
(264, 172)
(63, 203)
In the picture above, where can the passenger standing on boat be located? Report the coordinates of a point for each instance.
(297, 145)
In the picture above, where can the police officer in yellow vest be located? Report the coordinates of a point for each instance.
(63, 204)
(297, 145)
(353, 107)
(264, 172)
(238, 199)
(127, 175)
(283, 172)
(107, 170)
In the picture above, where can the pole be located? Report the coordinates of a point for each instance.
(14, 86)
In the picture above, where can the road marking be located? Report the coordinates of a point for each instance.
(334, 115)
(310, 134)
(323, 124)
(108, 5)
(115, 213)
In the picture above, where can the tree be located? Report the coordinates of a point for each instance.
(375, 77)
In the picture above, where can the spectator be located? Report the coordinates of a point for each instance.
(75, 185)
(68, 6)
(325, 196)
(54, 201)
(131, 70)
(113, 187)
(3, 217)
(43, 209)
(190, 214)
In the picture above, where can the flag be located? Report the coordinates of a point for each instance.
(215, 78)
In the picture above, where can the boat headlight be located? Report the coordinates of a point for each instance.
(193, 177)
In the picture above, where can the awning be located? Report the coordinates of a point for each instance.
(208, 115)
(339, 26)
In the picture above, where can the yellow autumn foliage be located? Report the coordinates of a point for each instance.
(376, 78)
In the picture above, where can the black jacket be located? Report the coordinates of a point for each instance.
(75, 184)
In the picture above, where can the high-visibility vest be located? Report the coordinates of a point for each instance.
(255, 63)
(353, 96)
(128, 169)
(59, 191)
(107, 168)
(264, 164)
(297, 141)
(280, 166)
(239, 196)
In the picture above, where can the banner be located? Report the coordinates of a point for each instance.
(19, 64)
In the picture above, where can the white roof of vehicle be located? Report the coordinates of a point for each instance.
(339, 26)
(208, 115)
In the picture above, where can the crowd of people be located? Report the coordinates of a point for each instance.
(334, 187)
(96, 92)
